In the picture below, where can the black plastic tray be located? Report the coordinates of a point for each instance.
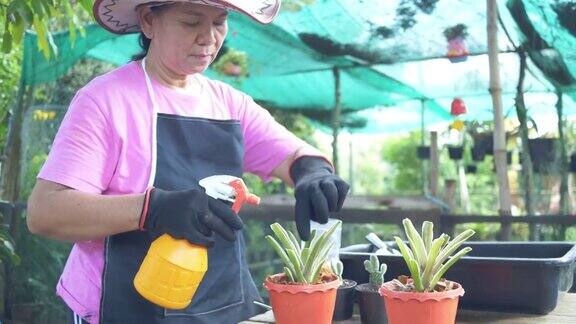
(500, 276)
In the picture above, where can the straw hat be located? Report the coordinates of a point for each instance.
(120, 16)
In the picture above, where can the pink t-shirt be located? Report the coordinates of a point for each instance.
(103, 146)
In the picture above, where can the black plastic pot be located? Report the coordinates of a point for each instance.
(456, 152)
(371, 304)
(471, 168)
(477, 153)
(344, 301)
(485, 143)
(542, 153)
(573, 163)
(423, 152)
(524, 277)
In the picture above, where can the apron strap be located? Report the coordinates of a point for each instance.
(152, 96)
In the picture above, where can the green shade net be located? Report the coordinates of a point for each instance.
(548, 30)
(291, 61)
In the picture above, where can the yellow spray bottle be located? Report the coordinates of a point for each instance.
(173, 269)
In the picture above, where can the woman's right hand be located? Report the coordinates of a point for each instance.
(189, 214)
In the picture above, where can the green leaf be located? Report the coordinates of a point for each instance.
(447, 266)
(86, 4)
(312, 236)
(7, 38)
(415, 274)
(427, 234)
(276, 246)
(416, 242)
(451, 247)
(297, 265)
(405, 250)
(434, 251)
(295, 241)
(283, 236)
(289, 274)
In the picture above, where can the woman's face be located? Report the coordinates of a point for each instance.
(185, 37)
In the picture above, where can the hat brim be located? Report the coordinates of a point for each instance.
(120, 16)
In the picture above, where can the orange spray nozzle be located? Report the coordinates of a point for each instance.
(243, 196)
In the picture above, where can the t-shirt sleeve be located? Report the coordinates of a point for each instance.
(84, 153)
(266, 142)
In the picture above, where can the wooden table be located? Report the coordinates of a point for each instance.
(565, 313)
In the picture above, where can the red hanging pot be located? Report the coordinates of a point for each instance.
(458, 107)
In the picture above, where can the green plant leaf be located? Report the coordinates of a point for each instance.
(317, 246)
(416, 242)
(451, 247)
(433, 253)
(312, 236)
(283, 236)
(447, 266)
(278, 248)
(405, 250)
(427, 234)
(295, 259)
(295, 241)
(415, 274)
(289, 274)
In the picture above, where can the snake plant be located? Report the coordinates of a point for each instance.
(427, 258)
(302, 260)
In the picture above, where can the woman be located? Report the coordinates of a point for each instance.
(125, 165)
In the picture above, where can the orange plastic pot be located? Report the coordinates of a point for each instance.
(414, 307)
(302, 304)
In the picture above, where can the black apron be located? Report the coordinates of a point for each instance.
(187, 150)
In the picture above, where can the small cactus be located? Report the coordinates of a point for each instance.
(337, 267)
(376, 270)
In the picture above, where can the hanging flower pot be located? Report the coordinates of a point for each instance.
(423, 152)
(509, 157)
(457, 107)
(573, 162)
(456, 37)
(471, 168)
(456, 152)
(485, 142)
(477, 153)
(542, 153)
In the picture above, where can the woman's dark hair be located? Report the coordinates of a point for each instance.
(145, 41)
(145, 45)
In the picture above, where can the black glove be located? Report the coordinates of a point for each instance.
(189, 214)
(318, 191)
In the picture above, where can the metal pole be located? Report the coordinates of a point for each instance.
(336, 117)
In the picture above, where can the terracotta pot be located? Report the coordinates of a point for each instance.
(302, 304)
(414, 307)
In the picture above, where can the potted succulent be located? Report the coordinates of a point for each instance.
(306, 291)
(344, 295)
(425, 297)
(372, 310)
